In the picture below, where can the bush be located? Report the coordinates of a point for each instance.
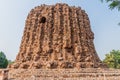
(3, 60)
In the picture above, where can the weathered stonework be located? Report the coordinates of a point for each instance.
(64, 74)
(57, 36)
(4, 74)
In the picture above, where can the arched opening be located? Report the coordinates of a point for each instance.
(42, 20)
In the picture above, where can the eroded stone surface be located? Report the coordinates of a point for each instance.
(57, 36)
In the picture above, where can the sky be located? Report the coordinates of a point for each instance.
(13, 14)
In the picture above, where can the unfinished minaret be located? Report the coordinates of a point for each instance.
(57, 36)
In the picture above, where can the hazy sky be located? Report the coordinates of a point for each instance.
(104, 22)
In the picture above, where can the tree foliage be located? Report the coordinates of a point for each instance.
(113, 4)
(112, 59)
(3, 60)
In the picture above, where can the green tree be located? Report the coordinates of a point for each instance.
(3, 60)
(113, 4)
(112, 59)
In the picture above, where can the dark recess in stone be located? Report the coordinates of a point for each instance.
(43, 20)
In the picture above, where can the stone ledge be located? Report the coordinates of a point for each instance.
(64, 74)
(4, 74)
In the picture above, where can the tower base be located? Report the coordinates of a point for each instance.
(64, 74)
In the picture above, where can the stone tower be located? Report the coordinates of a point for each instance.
(57, 36)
